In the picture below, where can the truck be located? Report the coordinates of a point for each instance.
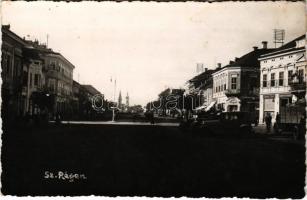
(292, 119)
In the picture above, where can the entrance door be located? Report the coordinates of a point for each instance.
(232, 108)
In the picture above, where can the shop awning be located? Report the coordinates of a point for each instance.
(210, 105)
(200, 107)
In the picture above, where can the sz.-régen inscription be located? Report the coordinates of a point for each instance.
(64, 176)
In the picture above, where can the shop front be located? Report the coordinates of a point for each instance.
(268, 106)
(233, 104)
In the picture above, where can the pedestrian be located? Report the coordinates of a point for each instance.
(268, 122)
(277, 123)
(302, 126)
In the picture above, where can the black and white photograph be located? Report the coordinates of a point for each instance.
(153, 99)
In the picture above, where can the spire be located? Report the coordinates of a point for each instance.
(127, 100)
(120, 99)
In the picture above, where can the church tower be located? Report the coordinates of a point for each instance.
(127, 100)
(120, 100)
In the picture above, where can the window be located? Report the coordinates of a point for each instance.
(264, 80)
(273, 59)
(281, 78)
(233, 83)
(300, 76)
(273, 80)
(30, 79)
(225, 86)
(36, 79)
(52, 84)
(290, 78)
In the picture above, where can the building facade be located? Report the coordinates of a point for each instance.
(33, 81)
(236, 85)
(59, 80)
(200, 88)
(35, 78)
(12, 75)
(283, 77)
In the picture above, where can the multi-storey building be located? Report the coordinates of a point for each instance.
(12, 76)
(33, 81)
(283, 77)
(33, 76)
(58, 78)
(236, 85)
(200, 87)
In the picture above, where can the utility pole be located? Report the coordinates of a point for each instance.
(47, 40)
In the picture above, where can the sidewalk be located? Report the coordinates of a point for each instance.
(120, 123)
(261, 129)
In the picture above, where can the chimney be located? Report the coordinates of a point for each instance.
(7, 26)
(264, 44)
(231, 62)
(219, 65)
(206, 69)
(255, 48)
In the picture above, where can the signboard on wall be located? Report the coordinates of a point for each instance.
(268, 104)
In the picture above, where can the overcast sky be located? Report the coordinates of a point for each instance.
(150, 46)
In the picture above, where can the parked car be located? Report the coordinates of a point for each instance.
(225, 123)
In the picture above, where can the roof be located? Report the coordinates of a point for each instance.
(47, 51)
(34, 45)
(204, 75)
(203, 80)
(6, 29)
(90, 89)
(250, 59)
(290, 46)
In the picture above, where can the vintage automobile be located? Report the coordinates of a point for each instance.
(225, 123)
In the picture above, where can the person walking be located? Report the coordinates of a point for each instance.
(268, 122)
(277, 123)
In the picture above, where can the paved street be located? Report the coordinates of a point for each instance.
(148, 160)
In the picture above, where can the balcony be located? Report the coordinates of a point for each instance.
(298, 87)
